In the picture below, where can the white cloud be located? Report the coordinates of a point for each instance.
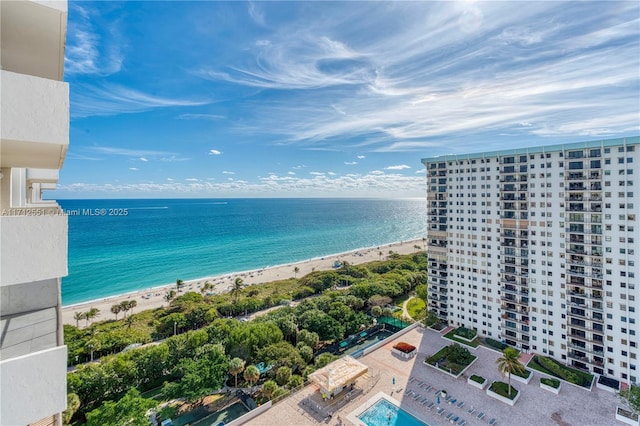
(360, 157)
(111, 99)
(143, 159)
(228, 172)
(373, 184)
(214, 152)
(200, 117)
(86, 51)
(398, 167)
(317, 173)
(135, 169)
(192, 180)
(170, 180)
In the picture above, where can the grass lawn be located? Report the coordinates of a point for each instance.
(416, 308)
(502, 389)
(452, 336)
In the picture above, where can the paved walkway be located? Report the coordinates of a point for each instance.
(536, 406)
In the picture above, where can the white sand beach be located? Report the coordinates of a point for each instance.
(154, 297)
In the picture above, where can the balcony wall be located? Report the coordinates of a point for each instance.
(35, 121)
(34, 248)
(45, 373)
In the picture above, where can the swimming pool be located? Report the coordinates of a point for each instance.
(384, 413)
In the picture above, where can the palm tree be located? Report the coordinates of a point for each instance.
(91, 314)
(132, 304)
(169, 296)
(251, 374)
(78, 316)
(116, 309)
(269, 388)
(508, 363)
(179, 285)
(238, 284)
(208, 286)
(236, 366)
(295, 272)
(124, 305)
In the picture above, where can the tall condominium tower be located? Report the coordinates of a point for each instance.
(34, 136)
(538, 248)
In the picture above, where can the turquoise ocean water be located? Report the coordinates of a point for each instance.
(159, 241)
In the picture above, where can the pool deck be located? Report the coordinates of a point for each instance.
(573, 406)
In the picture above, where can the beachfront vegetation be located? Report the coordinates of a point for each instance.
(197, 343)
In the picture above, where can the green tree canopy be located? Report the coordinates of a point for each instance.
(508, 363)
(236, 366)
(130, 410)
(251, 374)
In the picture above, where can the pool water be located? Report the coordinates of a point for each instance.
(384, 413)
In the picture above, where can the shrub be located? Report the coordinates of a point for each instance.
(496, 344)
(570, 375)
(554, 383)
(478, 379)
(524, 374)
(466, 333)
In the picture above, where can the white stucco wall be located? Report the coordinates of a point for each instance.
(33, 248)
(33, 386)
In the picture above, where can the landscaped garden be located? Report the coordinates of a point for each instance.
(463, 335)
(478, 379)
(554, 368)
(502, 389)
(210, 350)
(453, 359)
(492, 343)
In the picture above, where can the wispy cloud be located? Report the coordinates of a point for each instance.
(350, 163)
(126, 152)
(113, 99)
(548, 64)
(86, 51)
(135, 169)
(214, 152)
(143, 159)
(398, 167)
(226, 172)
(201, 117)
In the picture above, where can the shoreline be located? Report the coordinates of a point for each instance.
(153, 297)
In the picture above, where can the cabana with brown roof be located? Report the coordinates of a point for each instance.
(334, 377)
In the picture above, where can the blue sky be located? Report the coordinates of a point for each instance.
(272, 99)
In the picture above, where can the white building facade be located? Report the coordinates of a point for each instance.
(538, 248)
(34, 137)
